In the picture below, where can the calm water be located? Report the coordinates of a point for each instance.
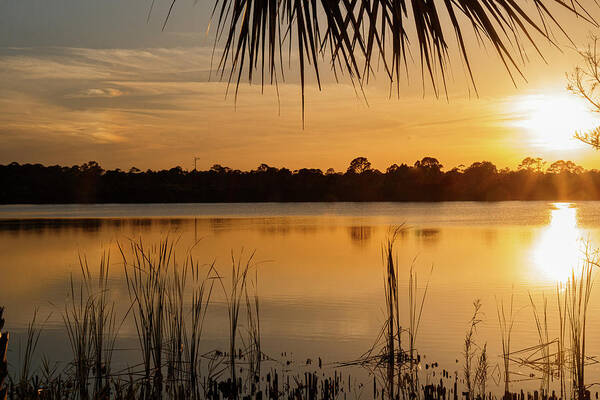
(320, 274)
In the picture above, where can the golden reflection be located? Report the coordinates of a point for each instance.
(558, 249)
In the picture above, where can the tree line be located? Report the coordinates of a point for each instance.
(425, 180)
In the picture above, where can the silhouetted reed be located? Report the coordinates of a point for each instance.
(254, 349)
(506, 322)
(475, 376)
(146, 275)
(3, 362)
(543, 359)
(27, 353)
(396, 368)
(577, 294)
(158, 287)
(561, 302)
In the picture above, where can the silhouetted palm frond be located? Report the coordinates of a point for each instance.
(350, 35)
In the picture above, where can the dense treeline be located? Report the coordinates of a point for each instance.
(424, 181)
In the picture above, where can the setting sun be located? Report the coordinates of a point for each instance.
(552, 120)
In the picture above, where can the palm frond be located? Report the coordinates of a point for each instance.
(350, 35)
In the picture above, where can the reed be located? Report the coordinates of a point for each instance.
(77, 320)
(235, 295)
(254, 350)
(103, 329)
(577, 295)
(184, 340)
(470, 352)
(506, 322)
(175, 331)
(3, 362)
(146, 277)
(201, 295)
(543, 360)
(561, 302)
(90, 324)
(26, 386)
(415, 306)
(170, 301)
(48, 372)
(396, 368)
(393, 327)
(481, 372)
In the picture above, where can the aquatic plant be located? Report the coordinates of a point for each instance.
(3, 362)
(506, 322)
(543, 360)
(396, 368)
(474, 377)
(577, 295)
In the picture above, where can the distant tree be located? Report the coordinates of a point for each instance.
(429, 163)
(134, 170)
(532, 164)
(359, 165)
(309, 171)
(330, 171)
(482, 167)
(265, 168)
(91, 167)
(176, 170)
(481, 172)
(459, 168)
(219, 169)
(557, 167)
(392, 168)
(562, 166)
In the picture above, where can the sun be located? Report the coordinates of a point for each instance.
(552, 120)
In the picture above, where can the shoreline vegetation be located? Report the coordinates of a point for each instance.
(424, 181)
(169, 297)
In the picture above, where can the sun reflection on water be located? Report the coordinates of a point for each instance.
(558, 249)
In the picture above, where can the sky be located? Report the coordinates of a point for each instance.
(85, 80)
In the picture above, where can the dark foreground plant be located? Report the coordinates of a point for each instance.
(475, 369)
(397, 367)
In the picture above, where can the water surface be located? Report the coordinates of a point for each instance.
(320, 274)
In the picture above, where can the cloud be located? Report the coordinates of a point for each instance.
(100, 92)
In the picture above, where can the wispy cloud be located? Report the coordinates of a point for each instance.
(99, 92)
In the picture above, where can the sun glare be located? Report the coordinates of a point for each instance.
(552, 120)
(558, 249)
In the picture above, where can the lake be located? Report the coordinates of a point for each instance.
(319, 270)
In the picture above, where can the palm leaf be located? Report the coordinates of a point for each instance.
(350, 34)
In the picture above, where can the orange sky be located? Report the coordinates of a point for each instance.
(86, 81)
